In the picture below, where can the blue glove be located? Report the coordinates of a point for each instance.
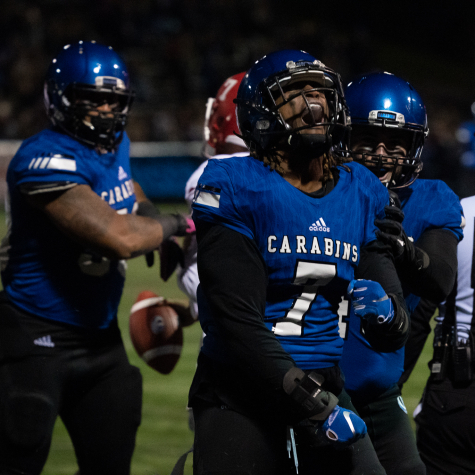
(370, 301)
(343, 427)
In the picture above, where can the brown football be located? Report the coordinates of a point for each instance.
(155, 332)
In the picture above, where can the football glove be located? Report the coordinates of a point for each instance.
(390, 231)
(170, 252)
(190, 225)
(323, 421)
(185, 224)
(370, 301)
(150, 258)
(342, 428)
(171, 255)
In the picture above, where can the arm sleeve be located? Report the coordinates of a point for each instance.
(233, 281)
(420, 330)
(377, 264)
(436, 280)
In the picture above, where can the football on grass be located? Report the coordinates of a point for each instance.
(155, 332)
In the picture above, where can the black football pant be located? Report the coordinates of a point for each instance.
(392, 435)
(446, 428)
(82, 376)
(229, 443)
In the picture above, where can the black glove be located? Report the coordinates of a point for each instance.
(391, 232)
(148, 209)
(172, 224)
(175, 225)
(394, 199)
(171, 254)
(185, 225)
(150, 258)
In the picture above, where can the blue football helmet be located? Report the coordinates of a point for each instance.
(382, 100)
(260, 121)
(82, 77)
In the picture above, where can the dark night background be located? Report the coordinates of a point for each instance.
(180, 51)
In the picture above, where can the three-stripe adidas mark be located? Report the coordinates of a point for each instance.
(44, 341)
(319, 225)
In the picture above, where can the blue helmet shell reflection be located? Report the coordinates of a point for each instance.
(260, 122)
(385, 100)
(89, 74)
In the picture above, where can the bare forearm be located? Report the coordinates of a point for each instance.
(87, 219)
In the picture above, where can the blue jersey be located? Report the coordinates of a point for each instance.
(311, 247)
(427, 204)
(43, 271)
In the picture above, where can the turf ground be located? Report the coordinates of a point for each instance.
(164, 434)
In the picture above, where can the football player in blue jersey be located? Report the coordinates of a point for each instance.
(280, 234)
(72, 213)
(389, 126)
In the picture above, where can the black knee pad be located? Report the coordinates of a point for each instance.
(29, 419)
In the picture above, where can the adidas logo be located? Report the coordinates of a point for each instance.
(44, 341)
(401, 404)
(122, 174)
(319, 225)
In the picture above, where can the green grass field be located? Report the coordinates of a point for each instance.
(164, 434)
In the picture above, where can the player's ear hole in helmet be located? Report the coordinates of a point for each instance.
(87, 94)
(263, 94)
(386, 109)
